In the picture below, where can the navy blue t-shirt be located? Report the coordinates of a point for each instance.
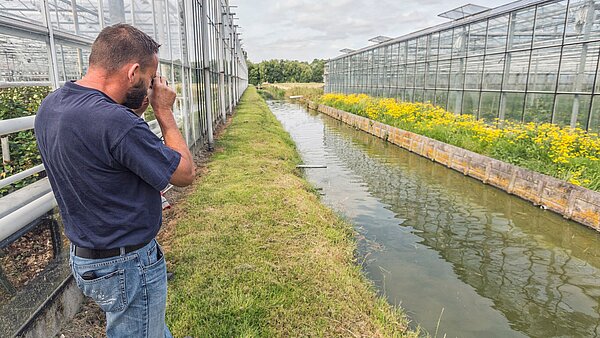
(105, 166)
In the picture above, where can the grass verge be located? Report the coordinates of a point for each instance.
(256, 254)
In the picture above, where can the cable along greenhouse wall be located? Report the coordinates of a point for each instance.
(47, 42)
(530, 61)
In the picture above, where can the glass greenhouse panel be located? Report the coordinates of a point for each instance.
(493, 72)
(550, 24)
(443, 76)
(516, 69)
(458, 74)
(445, 49)
(422, 46)
(420, 72)
(175, 23)
(419, 95)
(489, 106)
(578, 68)
(429, 96)
(434, 44)
(572, 110)
(538, 107)
(474, 72)
(410, 76)
(497, 34)
(409, 94)
(23, 59)
(520, 33)
(543, 69)
(471, 103)
(26, 10)
(411, 51)
(459, 42)
(512, 104)
(431, 75)
(441, 98)
(582, 23)
(477, 38)
(594, 118)
(455, 101)
(72, 62)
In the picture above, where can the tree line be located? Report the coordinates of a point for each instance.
(279, 71)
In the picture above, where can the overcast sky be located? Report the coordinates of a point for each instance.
(308, 29)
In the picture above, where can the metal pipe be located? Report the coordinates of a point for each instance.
(23, 174)
(25, 84)
(53, 64)
(16, 125)
(5, 149)
(21, 197)
(16, 220)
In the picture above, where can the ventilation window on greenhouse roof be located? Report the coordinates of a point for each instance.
(463, 11)
(380, 39)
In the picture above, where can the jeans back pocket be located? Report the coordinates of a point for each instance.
(104, 285)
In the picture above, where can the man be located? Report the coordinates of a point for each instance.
(107, 169)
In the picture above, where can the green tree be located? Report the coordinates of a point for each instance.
(277, 71)
(318, 68)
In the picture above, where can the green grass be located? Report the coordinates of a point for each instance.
(256, 254)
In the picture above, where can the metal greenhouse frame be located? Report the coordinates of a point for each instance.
(530, 61)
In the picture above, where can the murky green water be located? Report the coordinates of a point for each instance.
(448, 248)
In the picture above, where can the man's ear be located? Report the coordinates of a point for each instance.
(133, 72)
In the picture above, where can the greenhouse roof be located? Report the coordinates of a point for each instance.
(497, 11)
(380, 39)
(463, 11)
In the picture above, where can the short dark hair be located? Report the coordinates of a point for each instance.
(120, 44)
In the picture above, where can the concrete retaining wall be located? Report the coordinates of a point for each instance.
(573, 202)
(60, 307)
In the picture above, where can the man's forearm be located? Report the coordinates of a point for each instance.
(174, 139)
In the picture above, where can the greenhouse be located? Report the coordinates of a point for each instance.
(45, 43)
(530, 61)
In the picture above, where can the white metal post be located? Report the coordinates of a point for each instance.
(220, 47)
(51, 46)
(206, 73)
(101, 13)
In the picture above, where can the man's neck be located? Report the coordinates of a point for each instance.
(109, 86)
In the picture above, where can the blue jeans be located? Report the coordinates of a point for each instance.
(131, 289)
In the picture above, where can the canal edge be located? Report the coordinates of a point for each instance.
(571, 201)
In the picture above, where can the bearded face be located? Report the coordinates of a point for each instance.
(136, 95)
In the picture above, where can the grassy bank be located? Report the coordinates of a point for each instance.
(256, 253)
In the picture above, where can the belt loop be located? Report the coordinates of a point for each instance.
(122, 250)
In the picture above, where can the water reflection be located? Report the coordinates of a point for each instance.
(497, 265)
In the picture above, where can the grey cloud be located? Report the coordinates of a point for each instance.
(308, 29)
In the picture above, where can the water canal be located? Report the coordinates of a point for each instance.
(448, 248)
